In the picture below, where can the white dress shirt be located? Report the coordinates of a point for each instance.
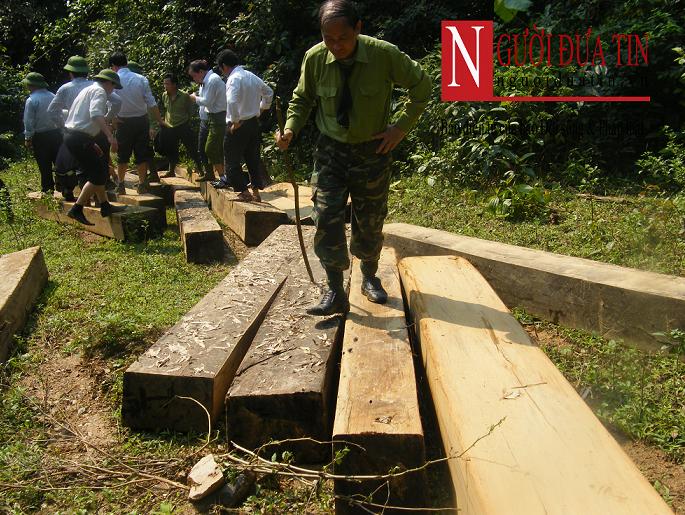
(89, 104)
(246, 95)
(212, 95)
(67, 93)
(36, 115)
(136, 95)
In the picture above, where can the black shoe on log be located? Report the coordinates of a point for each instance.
(221, 185)
(331, 303)
(106, 209)
(68, 196)
(373, 289)
(76, 212)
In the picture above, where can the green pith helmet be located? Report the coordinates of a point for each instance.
(35, 79)
(77, 64)
(134, 67)
(111, 76)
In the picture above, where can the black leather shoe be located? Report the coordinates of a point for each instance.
(221, 185)
(68, 196)
(76, 212)
(373, 289)
(331, 303)
(107, 209)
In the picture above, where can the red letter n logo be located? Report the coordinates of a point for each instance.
(467, 72)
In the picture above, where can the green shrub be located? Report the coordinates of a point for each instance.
(666, 167)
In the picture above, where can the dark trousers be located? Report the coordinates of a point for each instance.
(93, 163)
(172, 137)
(45, 148)
(202, 135)
(133, 136)
(244, 143)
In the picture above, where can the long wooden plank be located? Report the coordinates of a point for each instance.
(251, 221)
(133, 198)
(202, 238)
(537, 447)
(134, 224)
(171, 185)
(287, 205)
(198, 357)
(377, 414)
(614, 301)
(24, 275)
(284, 388)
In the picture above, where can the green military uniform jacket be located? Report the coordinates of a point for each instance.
(179, 110)
(378, 67)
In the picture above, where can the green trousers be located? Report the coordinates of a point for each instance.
(214, 148)
(342, 171)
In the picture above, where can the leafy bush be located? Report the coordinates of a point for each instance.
(666, 167)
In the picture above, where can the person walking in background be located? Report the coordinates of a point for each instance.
(133, 127)
(67, 167)
(349, 79)
(247, 96)
(89, 139)
(178, 112)
(212, 97)
(42, 129)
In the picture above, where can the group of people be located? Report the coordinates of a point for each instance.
(75, 131)
(347, 79)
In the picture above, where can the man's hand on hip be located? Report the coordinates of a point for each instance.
(390, 139)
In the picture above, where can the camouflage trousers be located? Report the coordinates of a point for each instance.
(343, 170)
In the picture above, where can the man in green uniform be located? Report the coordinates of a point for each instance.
(179, 109)
(350, 77)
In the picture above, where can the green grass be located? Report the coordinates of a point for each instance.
(105, 300)
(646, 233)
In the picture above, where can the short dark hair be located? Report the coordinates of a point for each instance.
(339, 9)
(227, 58)
(198, 65)
(171, 78)
(118, 59)
(79, 74)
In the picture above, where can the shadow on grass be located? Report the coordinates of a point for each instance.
(116, 337)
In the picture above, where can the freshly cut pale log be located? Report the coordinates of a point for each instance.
(528, 443)
(251, 221)
(285, 387)
(23, 275)
(203, 239)
(133, 198)
(614, 301)
(198, 357)
(377, 414)
(134, 224)
(281, 195)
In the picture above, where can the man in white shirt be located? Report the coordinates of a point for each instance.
(213, 99)
(42, 132)
(67, 166)
(133, 130)
(247, 96)
(89, 138)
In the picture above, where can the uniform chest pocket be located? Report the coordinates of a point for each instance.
(327, 97)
